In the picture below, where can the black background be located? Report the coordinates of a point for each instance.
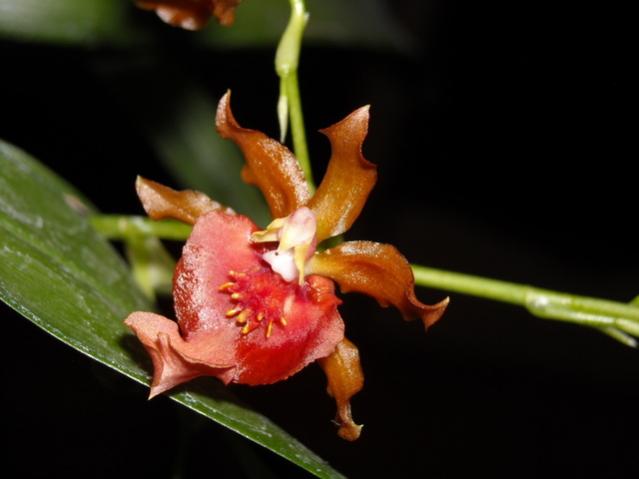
(504, 148)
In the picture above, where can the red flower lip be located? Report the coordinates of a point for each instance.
(237, 316)
(247, 315)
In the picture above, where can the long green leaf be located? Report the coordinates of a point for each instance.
(57, 272)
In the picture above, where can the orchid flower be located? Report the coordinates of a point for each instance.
(192, 14)
(256, 306)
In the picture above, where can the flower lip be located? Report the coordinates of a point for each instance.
(218, 252)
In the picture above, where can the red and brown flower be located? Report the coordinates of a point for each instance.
(256, 306)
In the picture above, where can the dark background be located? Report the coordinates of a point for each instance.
(504, 149)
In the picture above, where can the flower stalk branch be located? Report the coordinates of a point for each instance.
(128, 227)
(618, 320)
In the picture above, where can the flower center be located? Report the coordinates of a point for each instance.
(295, 235)
(259, 298)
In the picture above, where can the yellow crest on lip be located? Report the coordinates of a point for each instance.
(296, 236)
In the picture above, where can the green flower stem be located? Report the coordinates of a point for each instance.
(615, 319)
(289, 104)
(119, 227)
(618, 320)
(298, 130)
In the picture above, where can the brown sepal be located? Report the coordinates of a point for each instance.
(162, 202)
(192, 14)
(349, 177)
(378, 270)
(345, 379)
(269, 164)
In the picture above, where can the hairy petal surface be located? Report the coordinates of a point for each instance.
(192, 14)
(269, 164)
(378, 270)
(162, 202)
(345, 379)
(223, 287)
(349, 177)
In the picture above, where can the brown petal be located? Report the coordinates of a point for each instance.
(192, 14)
(349, 177)
(378, 270)
(345, 379)
(269, 164)
(161, 202)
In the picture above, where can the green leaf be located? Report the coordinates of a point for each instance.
(635, 302)
(365, 23)
(86, 22)
(58, 272)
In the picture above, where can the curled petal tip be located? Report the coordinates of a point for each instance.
(362, 114)
(358, 119)
(345, 379)
(350, 432)
(224, 119)
(432, 314)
